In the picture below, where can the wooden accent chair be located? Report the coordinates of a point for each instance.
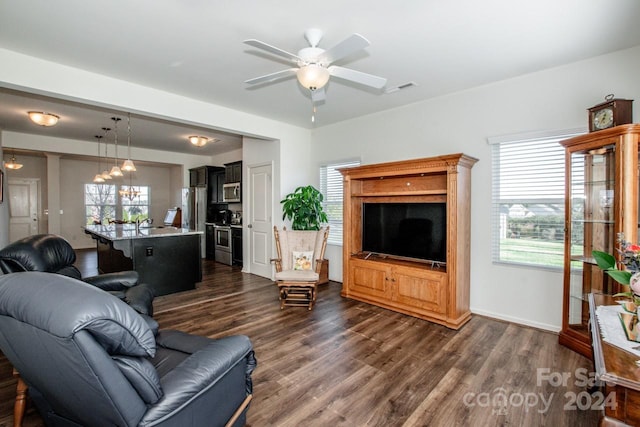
(299, 263)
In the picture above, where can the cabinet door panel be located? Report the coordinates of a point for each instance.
(369, 280)
(420, 289)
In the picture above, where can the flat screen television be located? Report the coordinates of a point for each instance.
(406, 230)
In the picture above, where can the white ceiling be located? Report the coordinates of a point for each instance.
(195, 48)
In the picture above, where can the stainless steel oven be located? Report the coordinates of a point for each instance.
(223, 242)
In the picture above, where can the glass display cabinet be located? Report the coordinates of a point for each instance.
(601, 201)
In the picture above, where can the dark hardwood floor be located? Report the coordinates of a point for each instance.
(348, 363)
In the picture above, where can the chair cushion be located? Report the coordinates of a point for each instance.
(302, 260)
(41, 252)
(297, 276)
(299, 240)
(65, 306)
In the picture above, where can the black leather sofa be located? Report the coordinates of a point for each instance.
(90, 360)
(53, 254)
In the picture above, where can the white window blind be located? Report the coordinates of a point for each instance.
(527, 216)
(331, 189)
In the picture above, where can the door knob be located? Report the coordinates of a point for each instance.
(249, 226)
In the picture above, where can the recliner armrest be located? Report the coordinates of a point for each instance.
(200, 372)
(140, 298)
(117, 281)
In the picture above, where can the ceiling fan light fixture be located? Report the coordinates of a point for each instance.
(13, 164)
(313, 76)
(43, 119)
(198, 141)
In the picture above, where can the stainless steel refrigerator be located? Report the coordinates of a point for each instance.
(196, 215)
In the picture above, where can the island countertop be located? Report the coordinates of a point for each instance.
(167, 258)
(128, 231)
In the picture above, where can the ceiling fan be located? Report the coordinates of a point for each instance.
(314, 64)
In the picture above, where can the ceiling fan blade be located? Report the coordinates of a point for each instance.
(318, 95)
(357, 77)
(273, 76)
(274, 50)
(350, 45)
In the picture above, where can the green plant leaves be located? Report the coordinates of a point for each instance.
(622, 277)
(304, 208)
(607, 263)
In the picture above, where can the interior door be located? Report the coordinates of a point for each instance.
(23, 208)
(260, 224)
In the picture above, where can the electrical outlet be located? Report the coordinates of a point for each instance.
(150, 251)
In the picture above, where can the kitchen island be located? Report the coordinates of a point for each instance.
(167, 258)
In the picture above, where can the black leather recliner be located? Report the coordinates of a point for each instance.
(53, 254)
(90, 360)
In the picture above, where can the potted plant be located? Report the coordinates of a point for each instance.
(304, 208)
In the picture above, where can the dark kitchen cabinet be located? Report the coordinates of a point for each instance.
(236, 246)
(233, 172)
(216, 181)
(198, 177)
(219, 185)
(212, 177)
(210, 242)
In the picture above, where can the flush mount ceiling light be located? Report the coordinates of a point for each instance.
(43, 119)
(13, 164)
(198, 141)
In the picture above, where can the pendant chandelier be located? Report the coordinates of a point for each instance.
(115, 170)
(13, 164)
(128, 164)
(105, 173)
(98, 178)
(130, 192)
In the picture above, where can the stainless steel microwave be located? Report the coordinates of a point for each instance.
(231, 192)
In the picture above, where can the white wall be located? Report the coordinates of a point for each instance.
(549, 100)
(228, 157)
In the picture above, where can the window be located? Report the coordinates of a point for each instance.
(527, 217)
(331, 189)
(138, 206)
(99, 203)
(102, 203)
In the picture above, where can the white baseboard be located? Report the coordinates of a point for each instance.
(525, 322)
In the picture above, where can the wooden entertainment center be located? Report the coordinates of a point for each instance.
(431, 291)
